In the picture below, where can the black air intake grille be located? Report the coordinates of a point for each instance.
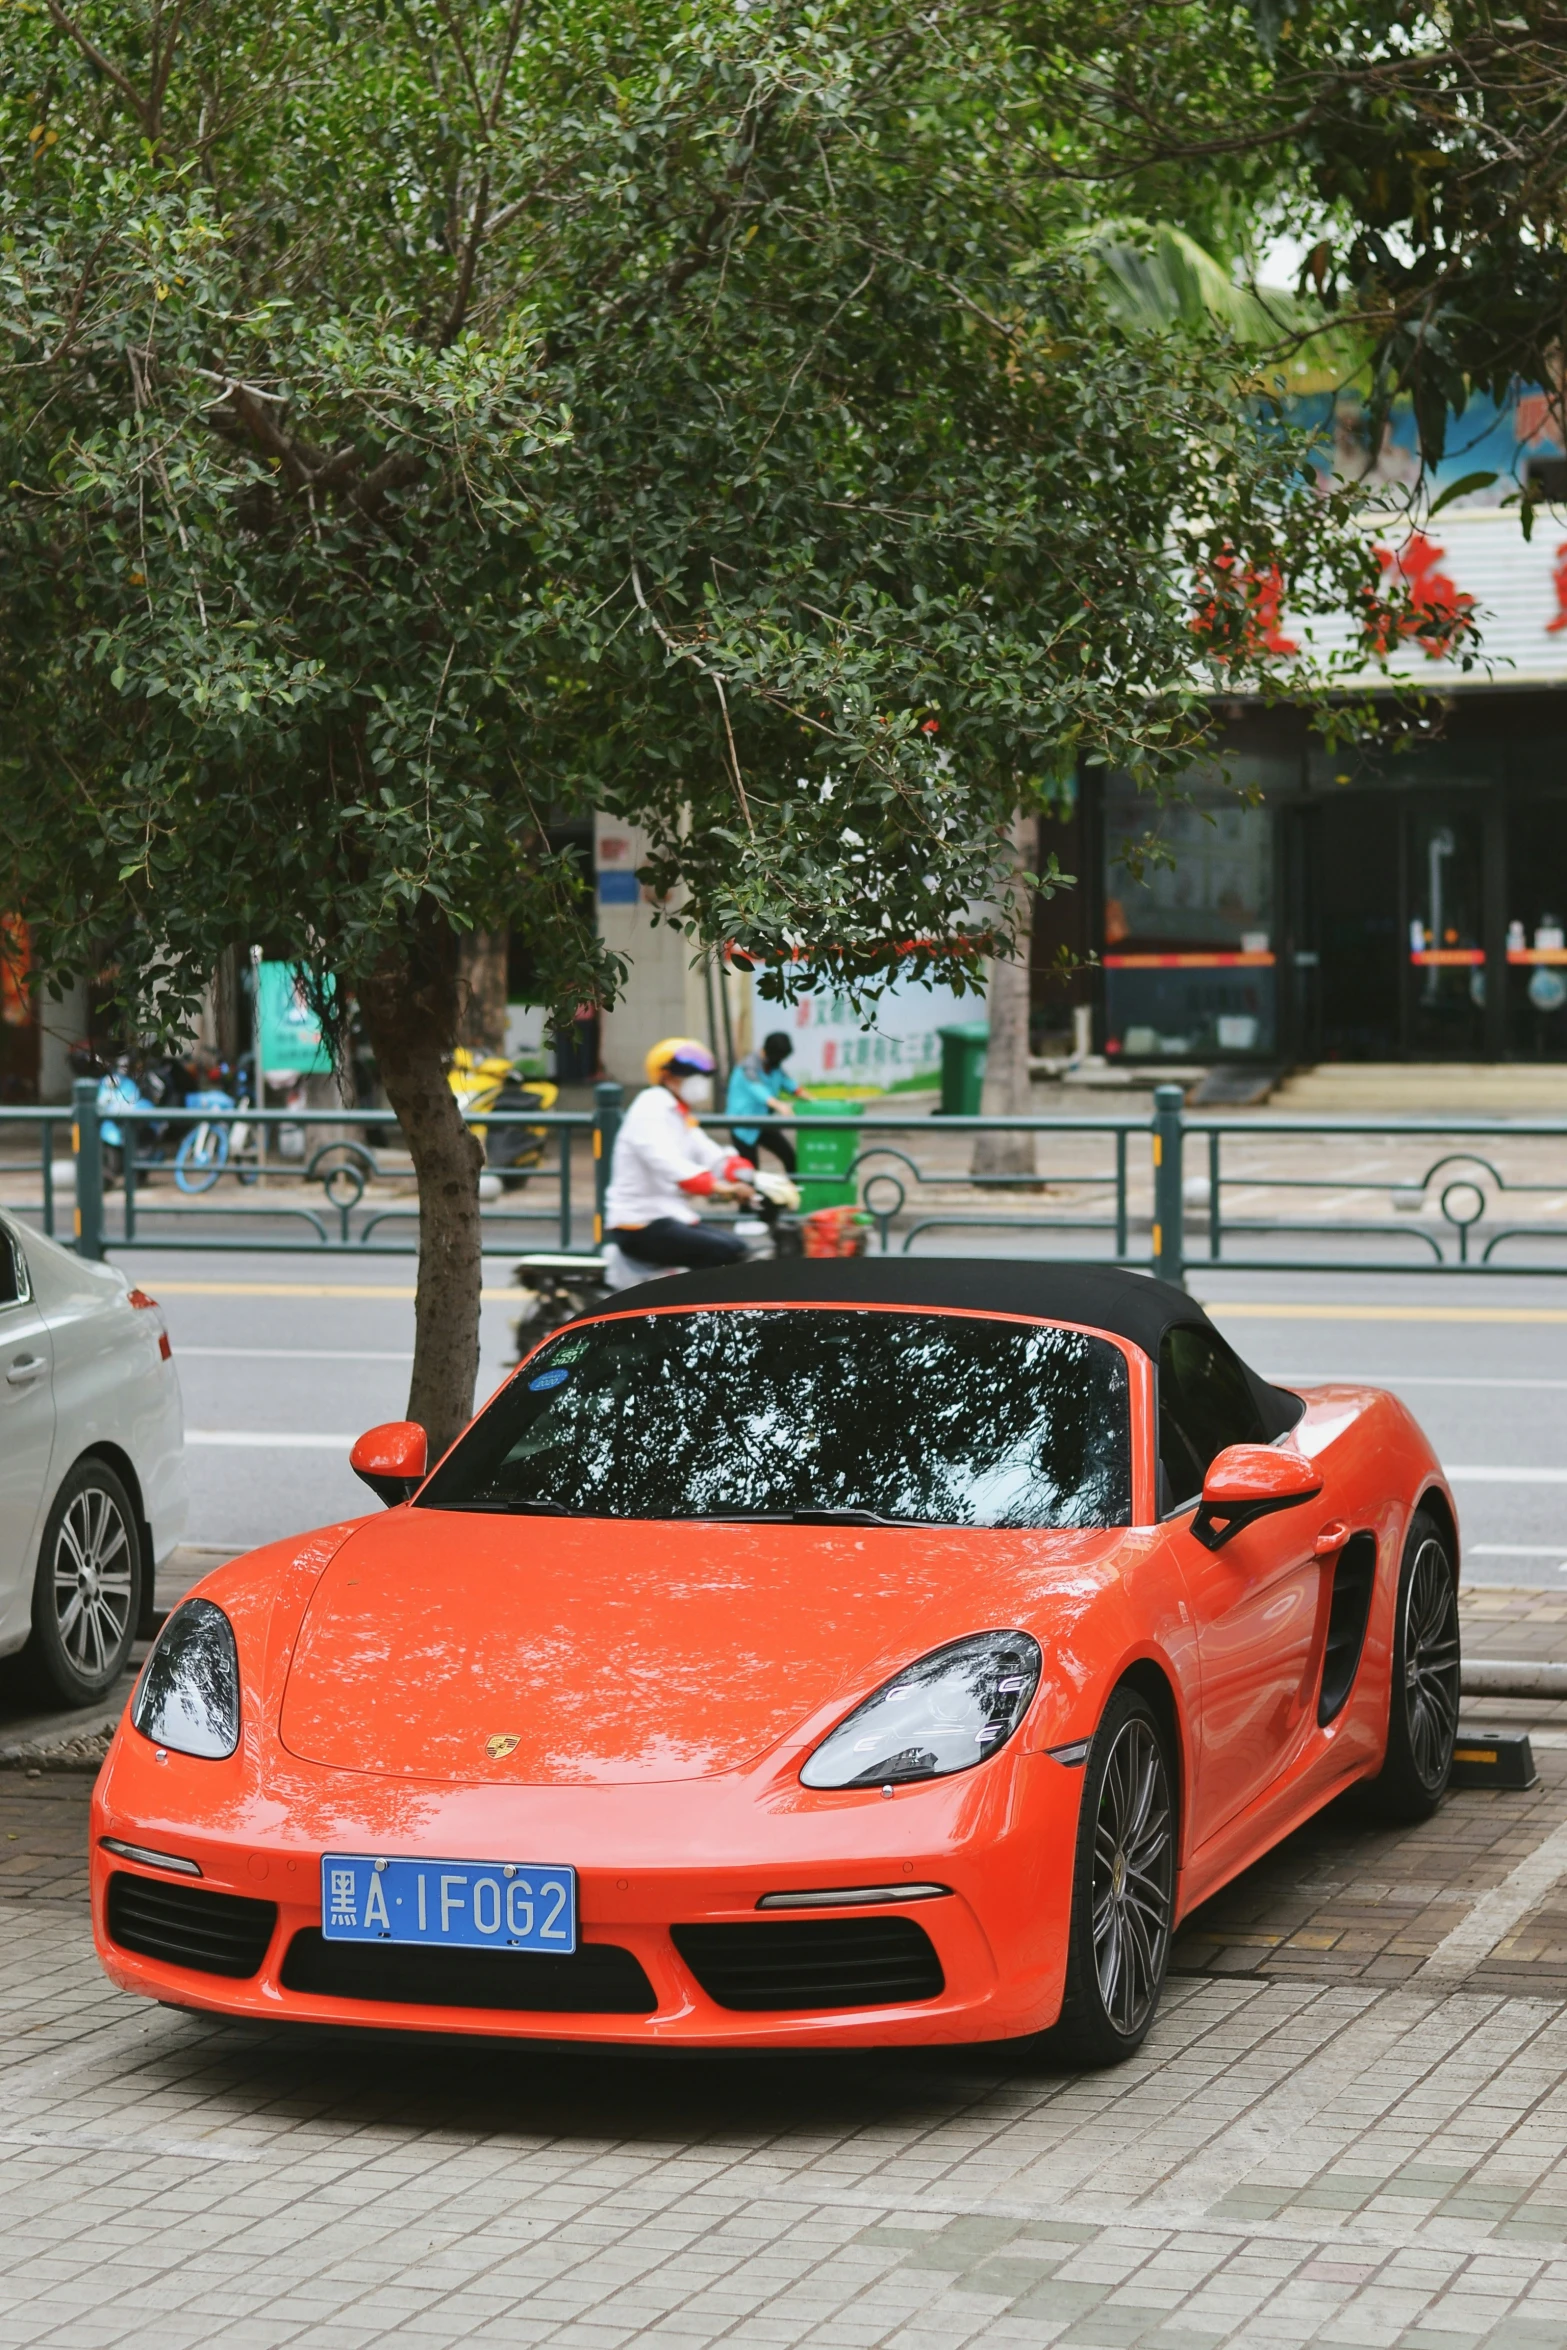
(216, 1933)
(826, 1962)
(597, 1979)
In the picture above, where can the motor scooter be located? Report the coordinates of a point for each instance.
(120, 1091)
(494, 1083)
(557, 1288)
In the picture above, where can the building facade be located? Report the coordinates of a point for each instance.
(1383, 900)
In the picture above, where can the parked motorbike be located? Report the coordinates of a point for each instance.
(494, 1083)
(120, 1091)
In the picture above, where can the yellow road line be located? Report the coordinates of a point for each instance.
(1256, 1308)
(297, 1289)
(1262, 1309)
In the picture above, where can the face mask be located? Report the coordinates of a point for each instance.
(696, 1092)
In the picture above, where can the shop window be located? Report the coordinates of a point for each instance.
(1188, 934)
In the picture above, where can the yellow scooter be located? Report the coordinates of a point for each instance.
(484, 1082)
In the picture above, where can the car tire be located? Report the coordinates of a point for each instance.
(1422, 1724)
(87, 1596)
(1123, 1891)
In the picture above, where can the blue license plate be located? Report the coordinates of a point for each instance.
(453, 1904)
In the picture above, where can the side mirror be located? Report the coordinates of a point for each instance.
(391, 1460)
(1248, 1481)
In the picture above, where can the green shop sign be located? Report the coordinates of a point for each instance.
(288, 1032)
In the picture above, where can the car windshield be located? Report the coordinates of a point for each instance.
(801, 1413)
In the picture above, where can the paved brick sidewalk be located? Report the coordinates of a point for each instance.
(1353, 2160)
(1285, 2164)
(1317, 2146)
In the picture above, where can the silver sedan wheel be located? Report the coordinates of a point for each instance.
(1133, 1880)
(1431, 1662)
(94, 1558)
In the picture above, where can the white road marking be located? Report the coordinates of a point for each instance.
(1517, 1550)
(263, 1440)
(1280, 1310)
(1475, 1475)
(314, 1354)
(1494, 1915)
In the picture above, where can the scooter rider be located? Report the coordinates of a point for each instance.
(663, 1164)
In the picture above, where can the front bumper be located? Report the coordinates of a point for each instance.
(649, 1858)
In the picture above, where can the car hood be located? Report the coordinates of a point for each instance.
(614, 1650)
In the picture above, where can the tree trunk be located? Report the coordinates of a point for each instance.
(481, 991)
(410, 1015)
(1007, 1091)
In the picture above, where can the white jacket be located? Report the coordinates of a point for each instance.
(663, 1163)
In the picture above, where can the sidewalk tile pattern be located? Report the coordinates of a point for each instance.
(1289, 2162)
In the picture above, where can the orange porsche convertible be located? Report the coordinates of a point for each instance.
(826, 1653)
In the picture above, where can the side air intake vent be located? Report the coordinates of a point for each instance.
(826, 1962)
(1354, 1577)
(185, 1925)
(596, 1979)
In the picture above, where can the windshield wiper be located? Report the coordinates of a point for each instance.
(823, 1517)
(512, 1509)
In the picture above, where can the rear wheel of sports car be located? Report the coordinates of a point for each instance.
(1422, 1720)
(88, 1593)
(1123, 1889)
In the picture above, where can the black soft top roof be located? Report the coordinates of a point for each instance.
(1104, 1297)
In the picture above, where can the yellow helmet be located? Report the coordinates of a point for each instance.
(678, 1052)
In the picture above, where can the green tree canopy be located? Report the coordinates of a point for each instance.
(422, 417)
(1417, 147)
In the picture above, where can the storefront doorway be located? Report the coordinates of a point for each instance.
(1391, 955)
(1404, 948)
(1318, 902)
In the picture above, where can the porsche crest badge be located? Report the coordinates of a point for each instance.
(502, 1744)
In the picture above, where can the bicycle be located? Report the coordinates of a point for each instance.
(212, 1143)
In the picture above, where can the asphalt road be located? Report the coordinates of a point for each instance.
(1482, 1363)
(285, 1359)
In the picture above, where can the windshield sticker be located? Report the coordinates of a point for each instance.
(548, 1379)
(573, 1353)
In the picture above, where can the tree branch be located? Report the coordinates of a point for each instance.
(452, 325)
(270, 435)
(163, 67)
(679, 652)
(508, 51)
(80, 295)
(96, 57)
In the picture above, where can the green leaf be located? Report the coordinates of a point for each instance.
(1464, 487)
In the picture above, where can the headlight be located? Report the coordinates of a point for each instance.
(944, 1714)
(189, 1694)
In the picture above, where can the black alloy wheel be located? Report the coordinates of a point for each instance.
(87, 1595)
(1422, 1723)
(1123, 1893)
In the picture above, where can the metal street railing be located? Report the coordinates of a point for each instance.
(341, 1196)
(1271, 1194)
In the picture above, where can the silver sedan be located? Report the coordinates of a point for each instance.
(92, 1462)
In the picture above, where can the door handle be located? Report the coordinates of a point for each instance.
(1333, 1537)
(25, 1367)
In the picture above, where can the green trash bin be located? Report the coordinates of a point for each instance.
(827, 1145)
(963, 1050)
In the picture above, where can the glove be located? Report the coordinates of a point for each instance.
(778, 1189)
